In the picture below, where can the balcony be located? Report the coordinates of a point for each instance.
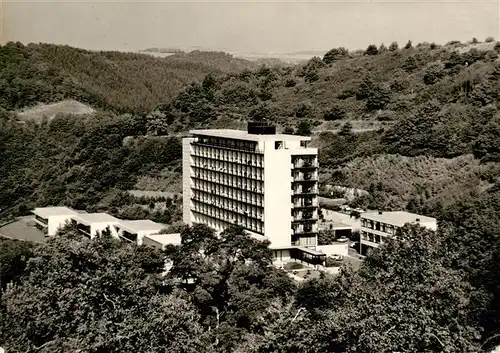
(228, 147)
(229, 196)
(305, 177)
(305, 165)
(305, 191)
(305, 217)
(305, 204)
(235, 210)
(240, 186)
(256, 164)
(245, 175)
(228, 220)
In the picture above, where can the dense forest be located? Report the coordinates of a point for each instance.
(432, 147)
(433, 111)
(423, 291)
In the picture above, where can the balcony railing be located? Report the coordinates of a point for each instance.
(305, 177)
(305, 191)
(256, 164)
(305, 204)
(229, 147)
(229, 196)
(225, 171)
(305, 165)
(228, 220)
(240, 186)
(236, 210)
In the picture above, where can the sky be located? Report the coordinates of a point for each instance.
(247, 26)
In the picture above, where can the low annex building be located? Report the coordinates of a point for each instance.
(376, 227)
(135, 231)
(89, 224)
(50, 219)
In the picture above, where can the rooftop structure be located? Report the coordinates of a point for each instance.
(397, 218)
(50, 219)
(134, 231)
(376, 227)
(90, 224)
(162, 240)
(265, 182)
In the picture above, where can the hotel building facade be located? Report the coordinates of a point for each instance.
(265, 182)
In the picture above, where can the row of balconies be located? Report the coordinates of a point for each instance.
(378, 226)
(225, 206)
(256, 227)
(256, 200)
(227, 143)
(230, 183)
(240, 173)
(234, 157)
(299, 203)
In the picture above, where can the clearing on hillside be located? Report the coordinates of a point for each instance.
(51, 110)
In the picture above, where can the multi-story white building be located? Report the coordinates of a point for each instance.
(376, 227)
(265, 182)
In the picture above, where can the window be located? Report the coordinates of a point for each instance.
(278, 145)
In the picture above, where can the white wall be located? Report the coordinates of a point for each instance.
(56, 222)
(186, 180)
(277, 195)
(281, 257)
(142, 233)
(334, 249)
(101, 226)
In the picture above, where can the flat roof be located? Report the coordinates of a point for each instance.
(166, 239)
(140, 225)
(90, 218)
(46, 212)
(335, 225)
(398, 218)
(244, 135)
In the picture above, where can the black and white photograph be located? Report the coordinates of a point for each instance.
(250, 176)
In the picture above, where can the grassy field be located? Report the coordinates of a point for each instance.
(49, 111)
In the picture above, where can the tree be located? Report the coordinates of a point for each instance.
(434, 73)
(408, 45)
(394, 46)
(232, 280)
(382, 48)
(304, 128)
(346, 129)
(335, 54)
(335, 112)
(261, 113)
(408, 274)
(371, 50)
(99, 295)
(14, 256)
(489, 40)
(377, 99)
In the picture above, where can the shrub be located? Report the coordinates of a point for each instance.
(371, 50)
(331, 262)
(289, 266)
(394, 46)
(290, 82)
(489, 40)
(335, 54)
(334, 113)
